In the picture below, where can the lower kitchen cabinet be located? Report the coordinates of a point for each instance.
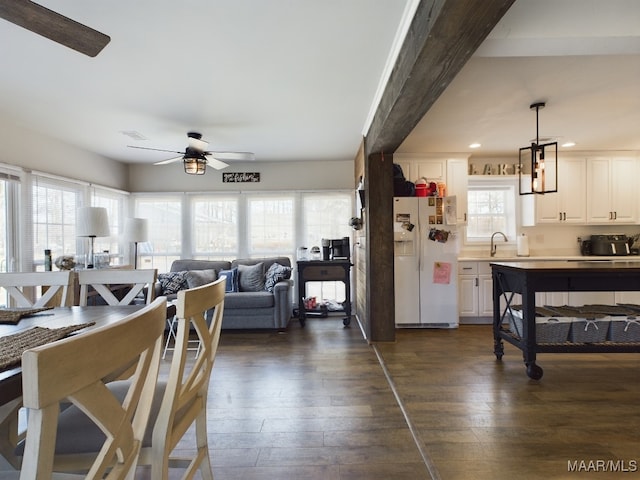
(475, 293)
(577, 299)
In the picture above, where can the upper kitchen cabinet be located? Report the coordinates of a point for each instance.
(457, 184)
(612, 184)
(417, 166)
(453, 171)
(567, 205)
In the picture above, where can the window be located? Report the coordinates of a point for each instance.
(9, 195)
(225, 226)
(165, 231)
(115, 203)
(54, 218)
(270, 225)
(491, 208)
(325, 215)
(215, 227)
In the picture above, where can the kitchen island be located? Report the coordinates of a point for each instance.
(527, 278)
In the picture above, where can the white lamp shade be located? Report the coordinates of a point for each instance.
(136, 230)
(92, 222)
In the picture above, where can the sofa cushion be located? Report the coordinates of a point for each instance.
(249, 300)
(276, 273)
(172, 282)
(197, 278)
(186, 264)
(268, 261)
(232, 279)
(251, 277)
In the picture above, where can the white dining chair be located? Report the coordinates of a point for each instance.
(102, 282)
(76, 370)
(22, 288)
(182, 398)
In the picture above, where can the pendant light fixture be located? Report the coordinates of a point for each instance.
(541, 161)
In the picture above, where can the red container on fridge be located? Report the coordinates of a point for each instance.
(422, 188)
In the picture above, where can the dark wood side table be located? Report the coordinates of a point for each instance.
(324, 271)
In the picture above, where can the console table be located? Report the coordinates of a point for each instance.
(527, 278)
(324, 271)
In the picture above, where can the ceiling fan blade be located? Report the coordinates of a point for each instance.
(237, 156)
(155, 149)
(198, 144)
(169, 160)
(215, 163)
(54, 26)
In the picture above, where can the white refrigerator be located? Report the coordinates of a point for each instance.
(426, 247)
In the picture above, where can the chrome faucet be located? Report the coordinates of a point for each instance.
(493, 247)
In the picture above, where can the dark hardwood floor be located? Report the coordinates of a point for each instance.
(319, 403)
(315, 403)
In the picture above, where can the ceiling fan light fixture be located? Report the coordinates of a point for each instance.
(194, 165)
(541, 161)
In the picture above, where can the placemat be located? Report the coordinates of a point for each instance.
(13, 315)
(12, 346)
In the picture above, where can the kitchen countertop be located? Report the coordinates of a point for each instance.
(538, 258)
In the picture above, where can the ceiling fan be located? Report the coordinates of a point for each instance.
(196, 157)
(54, 26)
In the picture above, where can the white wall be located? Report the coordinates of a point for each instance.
(35, 151)
(24, 148)
(335, 175)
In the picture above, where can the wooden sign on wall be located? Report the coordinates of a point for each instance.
(240, 177)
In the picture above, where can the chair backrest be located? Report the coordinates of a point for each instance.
(75, 369)
(57, 283)
(103, 282)
(185, 395)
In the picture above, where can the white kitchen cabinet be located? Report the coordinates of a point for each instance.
(567, 205)
(475, 293)
(457, 184)
(627, 297)
(415, 166)
(406, 168)
(432, 170)
(468, 292)
(577, 299)
(613, 190)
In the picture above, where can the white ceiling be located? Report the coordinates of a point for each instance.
(285, 79)
(582, 57)
(295, 80)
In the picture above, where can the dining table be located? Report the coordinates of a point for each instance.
(63, 321)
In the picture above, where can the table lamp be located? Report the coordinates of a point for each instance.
(92, 222)
(136, 230)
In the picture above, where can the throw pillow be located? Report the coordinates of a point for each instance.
(276, 273)
(172, 282)
(197, 278)
(251, 277)
(232, 279)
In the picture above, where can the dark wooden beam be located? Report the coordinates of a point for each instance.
(380, 322)
(443, 35)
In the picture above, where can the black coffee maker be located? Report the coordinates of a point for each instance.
(336, 249)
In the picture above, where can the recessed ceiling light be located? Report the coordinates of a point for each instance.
(475, 145)
(569, 144)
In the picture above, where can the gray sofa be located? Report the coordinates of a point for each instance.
(260, 302)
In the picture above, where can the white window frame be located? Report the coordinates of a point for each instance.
(511, 217)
